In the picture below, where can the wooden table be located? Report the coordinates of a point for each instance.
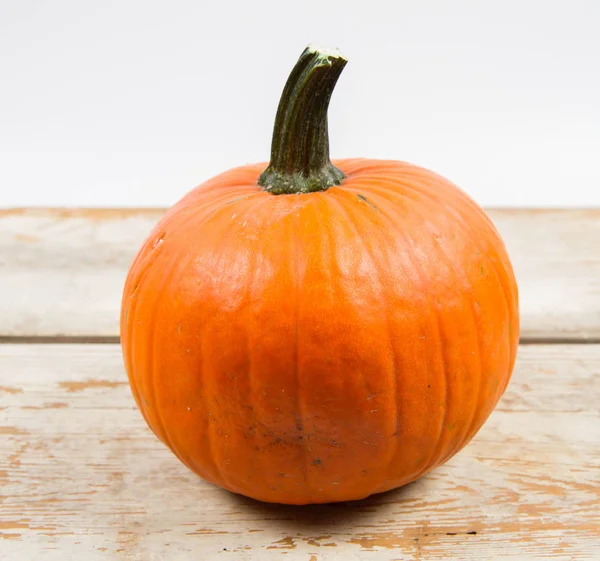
(83, 478)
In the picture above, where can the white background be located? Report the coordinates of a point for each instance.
(133, 103)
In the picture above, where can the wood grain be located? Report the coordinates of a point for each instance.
(84, 478)
(64, 270)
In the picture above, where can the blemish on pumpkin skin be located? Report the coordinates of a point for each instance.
(236, 200)
(365, 200)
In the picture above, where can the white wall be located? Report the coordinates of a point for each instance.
(132, 103)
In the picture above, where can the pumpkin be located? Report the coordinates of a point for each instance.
(319, 331)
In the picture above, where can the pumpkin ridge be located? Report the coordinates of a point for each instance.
(433, 312)
(476, 331)
(196, 220)
(475, 408)
(193, 201)
(305, 469)
(429, 184)
(348, 211)
(205, 207)
(170, 267)
(138, 275)
(251, 374)
(153, 366)
(250, 208)
(493, 266)
(457, 215)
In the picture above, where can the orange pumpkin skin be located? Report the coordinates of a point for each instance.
(325, 346)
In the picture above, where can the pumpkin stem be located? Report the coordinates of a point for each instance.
(300, 148)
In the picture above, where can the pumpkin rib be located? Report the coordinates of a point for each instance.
(353, 167)
(511, 345)
(149, 256)
(254, 459)
(445, 375)
(152, 362)
(415, 182)
(467, 434)
(199, 216)
(467, 281)
(150, 389)
(194, 203)
(424, 280)
(208, 392)
(300, 409)
(457, 214)
(334, 265)
(367, 167)
(498, 279)
(250, 208)
(475, 240)
(348, 211)
(473, 314)
(164, 280)
(492, 265)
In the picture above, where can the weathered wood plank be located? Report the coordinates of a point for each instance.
(84, 478)
(62, 271)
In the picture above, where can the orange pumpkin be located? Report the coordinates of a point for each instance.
(320, 331)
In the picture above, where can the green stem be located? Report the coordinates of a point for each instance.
(300, 148)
